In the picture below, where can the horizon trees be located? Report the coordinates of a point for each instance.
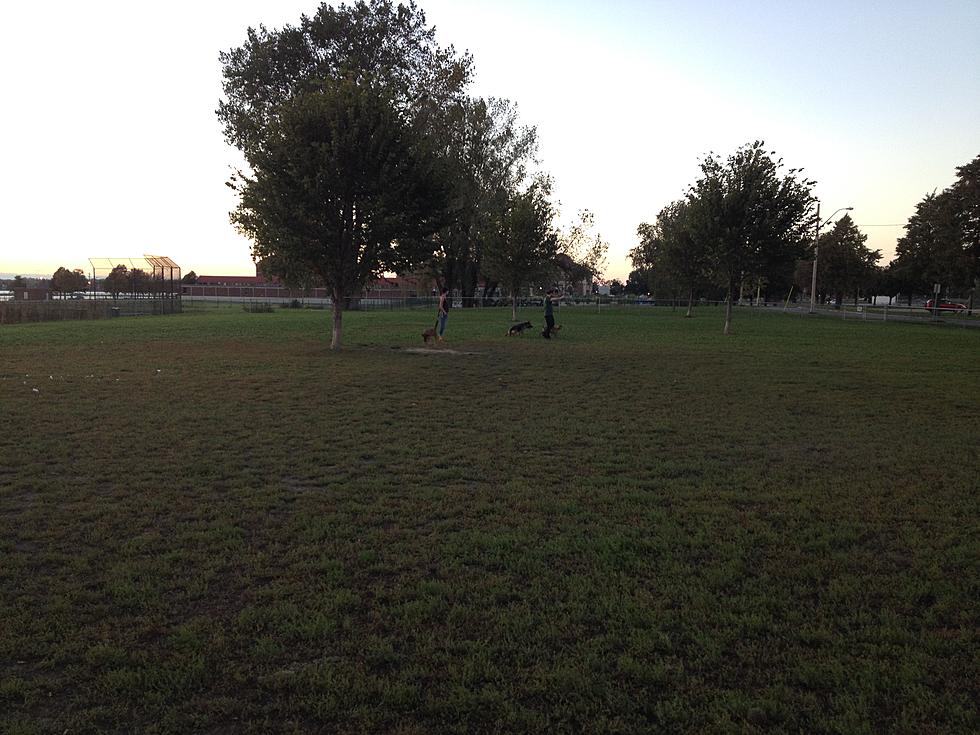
(942, 239)
(67, 281)
(846, 265)
(744, 218)
(488, 153)
(117, 281)
(669, 246)
(581, 253)
(528, 242)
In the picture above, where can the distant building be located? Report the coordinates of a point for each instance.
(258, 286)
(31, 294)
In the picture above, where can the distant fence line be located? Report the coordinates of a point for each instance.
(13, 312)
(880, 312)
(16, 312)
(887, 312)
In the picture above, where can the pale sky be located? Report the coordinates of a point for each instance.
(111, 146)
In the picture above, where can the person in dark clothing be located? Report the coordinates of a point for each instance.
(444, 302)
(549, 313)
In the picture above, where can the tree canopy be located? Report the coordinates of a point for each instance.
(370, 40)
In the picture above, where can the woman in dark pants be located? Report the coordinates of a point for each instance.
(443, 313)
(549, 313)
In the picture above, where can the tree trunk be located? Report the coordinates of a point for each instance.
(468, 284)
(338, 313)
(513, 297)
(690, 303)
(728, 306)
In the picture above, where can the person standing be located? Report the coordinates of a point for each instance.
(443, 315)
(549, 313)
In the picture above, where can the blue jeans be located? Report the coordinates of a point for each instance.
(442, 323)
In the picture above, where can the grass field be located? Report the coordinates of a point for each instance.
(210, 523)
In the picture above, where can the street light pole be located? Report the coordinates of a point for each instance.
(816, 247)
(813, 276)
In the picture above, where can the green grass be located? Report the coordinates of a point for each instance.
(211, 523)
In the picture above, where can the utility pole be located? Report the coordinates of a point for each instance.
(813, 276)
(816, 244)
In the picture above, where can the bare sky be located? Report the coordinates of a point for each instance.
(111, 146)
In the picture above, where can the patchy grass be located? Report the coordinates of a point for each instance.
(210, 523)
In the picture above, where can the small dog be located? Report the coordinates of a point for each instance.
(518, 328)
(553, 333)
(429, 334)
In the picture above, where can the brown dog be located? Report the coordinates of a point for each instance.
(429, 334)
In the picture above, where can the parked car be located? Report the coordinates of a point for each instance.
(945, 305)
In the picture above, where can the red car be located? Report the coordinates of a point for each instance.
(945, 305)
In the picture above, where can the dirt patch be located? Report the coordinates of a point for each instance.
(437, 351)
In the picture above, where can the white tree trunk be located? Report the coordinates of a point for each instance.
(728, 307)
(338, 313)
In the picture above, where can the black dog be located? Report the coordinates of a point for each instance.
(519, 328)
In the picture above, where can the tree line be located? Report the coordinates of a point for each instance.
(366, 154)
(119, 280)
(748, 224)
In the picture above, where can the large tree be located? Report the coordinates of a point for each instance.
(931, 250)
(582, 251)
(528, 241)
(846, 265)
(333, 117)
(670, 248)
(488, 153)
(65, 281)
(967, 193)
(117, 281)
(752, 217)
(343, 187)
(942, 239)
